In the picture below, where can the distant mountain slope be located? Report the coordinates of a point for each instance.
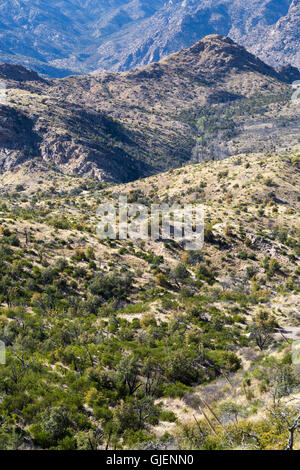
(61, 37)
(207, 102)
(278, 43)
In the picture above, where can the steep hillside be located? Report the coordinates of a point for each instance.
(123, 344)
(206, 102)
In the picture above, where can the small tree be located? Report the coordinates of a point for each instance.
(180, 273)
(262, 329)
(129, 370)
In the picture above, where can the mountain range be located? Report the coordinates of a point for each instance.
(62, 37)
(130, 344)
(206, 102)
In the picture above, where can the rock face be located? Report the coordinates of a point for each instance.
(275, 39)
(61, 37)
(209, 101)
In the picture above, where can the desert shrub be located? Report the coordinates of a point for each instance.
(174, 390)
(225, 360)
(60, 223)
(205, 273)
(179, 368)
(168, 416)
(111, 286)
(180, 273)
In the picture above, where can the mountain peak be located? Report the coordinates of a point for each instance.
(216, 55)
(216, 38)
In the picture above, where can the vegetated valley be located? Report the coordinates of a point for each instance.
(144, 345)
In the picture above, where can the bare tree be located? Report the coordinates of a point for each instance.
(263, 329)
(292, 429)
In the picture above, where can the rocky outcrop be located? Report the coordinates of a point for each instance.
(18, 73)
